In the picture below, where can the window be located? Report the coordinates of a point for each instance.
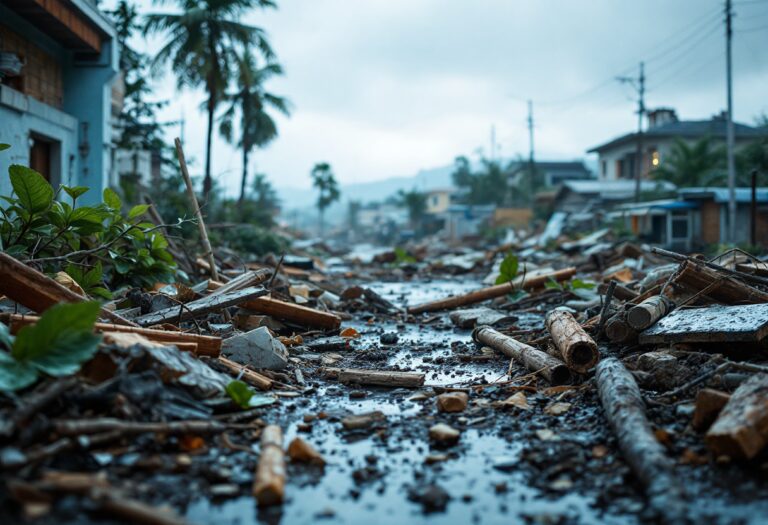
(655, 158)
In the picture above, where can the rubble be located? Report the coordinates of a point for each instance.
(257, 348)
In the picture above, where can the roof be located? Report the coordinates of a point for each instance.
(552, 165)
(613, 189)
(714, 127)
(721, 195)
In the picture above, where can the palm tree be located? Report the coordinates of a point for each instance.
(257, 128)
(697, 164)
(416, 204)
(324, 180)
(202, 49)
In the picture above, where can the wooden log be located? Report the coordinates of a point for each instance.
(293, 313)
(625, 412)
(376, 377)
(269, 484)
(741, 430)
(643, 315)
(200, 307)
(551, 368)
(203, 344)
(617, 329)
(696, 277)
(196, 208)
(38, 292)
(244, 280)
(577, 348)
(249, 376)
(484, 294)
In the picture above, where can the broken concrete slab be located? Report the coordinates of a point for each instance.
(256, 348)
(714, 324)
(471, 317)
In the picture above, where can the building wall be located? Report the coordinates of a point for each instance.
(42, 71)
(710, 223)
(438, 202)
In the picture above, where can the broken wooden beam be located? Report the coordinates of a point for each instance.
(645, 314)
(577, 349)
(713, 324)
(741, 429)
(38, 292)
(244, 280)
(269, 483)
(293, 313)
(246, 374)
(549, 367)
(206, 345)
(695, 277)
(625, 411)
(200, 307)
(492, 292)
(376, 377)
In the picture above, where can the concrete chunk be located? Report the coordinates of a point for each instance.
(256, 348)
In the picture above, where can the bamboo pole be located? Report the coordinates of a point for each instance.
(491, 292)
(577, 348)
(196, 208)
(551, 368)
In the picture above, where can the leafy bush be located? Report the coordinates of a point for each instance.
(248, 239)
(96, 241)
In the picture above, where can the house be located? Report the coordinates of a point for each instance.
(466, 220)
(616, 158)
(58, 63)
(579, 196)
(438, 200)
(697, 217)
(549, 173)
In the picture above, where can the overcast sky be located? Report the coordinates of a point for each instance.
(384, 88)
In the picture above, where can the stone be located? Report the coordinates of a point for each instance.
(256, 348)
(452, 402)
(444, 434)
(301, 451)
(471, 317)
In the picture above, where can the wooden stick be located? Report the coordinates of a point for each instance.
(377, 377)
(76, 427)
(551, 368)
(694, 276)
(643, 315)
(39, 292)
(491, 292)
(269, 484)
(686, 258)
(577, 348)
(607, 299)
(741, 430)
(204, 344)
(249, 376)
(625, 411)
(293, 313)
(196, 208)
(244, 280)
(176, 314)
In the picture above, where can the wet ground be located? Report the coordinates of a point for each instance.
(511, 465)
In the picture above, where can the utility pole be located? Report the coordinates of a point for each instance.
(639, 85)
(729, 138)
(493, 142)
(531, 163)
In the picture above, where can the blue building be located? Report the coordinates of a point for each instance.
(58, 64)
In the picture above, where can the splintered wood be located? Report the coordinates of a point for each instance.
(293, 313)
(269, 484)
(741, 430)
(549, 367)
(376, 377)
(577, 348)
(625, 411)
(491, 292)
(646, 313)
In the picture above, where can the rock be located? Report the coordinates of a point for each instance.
(452, 402)
(472, 317)
(709, 403)
(300, 450)
(256, 348)
(557, 409)
(444, 434)
(505, 463)
(361, 421)
(389, 338)
(433, 498)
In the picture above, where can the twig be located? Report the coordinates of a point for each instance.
(606, 304)
(748, 367)
(277, 270)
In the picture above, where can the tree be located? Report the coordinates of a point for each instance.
(416, 204)
(325, 182)
(251, 101)
(696, 164)
(487, 186)
(754, 156)
(202, 48)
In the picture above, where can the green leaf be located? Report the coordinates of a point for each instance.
(240, 393)
(15, 375)
(4, 147)
(551, 284)
(138, 210)
(100, 291)
(112, 199)
(508, 269)
(86, 214)
(33, 191)
(579, 284)
(61, 340)
(74, 191)
(6, 339)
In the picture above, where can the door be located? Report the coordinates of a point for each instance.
(40, 157)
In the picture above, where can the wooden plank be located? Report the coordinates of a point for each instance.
(293, 313)
(741, 430)
(38, 292)
(200, 307)
(377, 377)
(713, 324)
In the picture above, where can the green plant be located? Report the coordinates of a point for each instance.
(569, 286)
(508, 269)
(35, 225)
(403, 257)
(57, 345)
(244, 397)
